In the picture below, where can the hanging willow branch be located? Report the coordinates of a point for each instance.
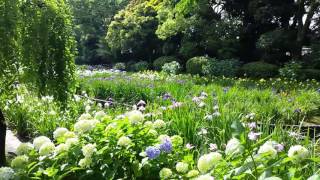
(48, 46)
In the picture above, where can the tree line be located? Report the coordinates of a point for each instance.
(249, 30)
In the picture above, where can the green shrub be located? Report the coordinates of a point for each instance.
(141, 66)
(120, 66)
(158, 63)
(130, 65)
(227, 68)
(195, 64)
(259, 69)
(291, 70)
(171, 68)
(311, 73)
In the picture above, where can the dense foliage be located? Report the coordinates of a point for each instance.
(181, 132)
(9, 51)
(91, 20)
(37, 49)
(132, 32)
(48, 46)
(136, 146)
(270, 31)
(246, 105)
(39, 45)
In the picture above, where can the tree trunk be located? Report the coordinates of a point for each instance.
(304, 27)
(3, 129)
(248, 39)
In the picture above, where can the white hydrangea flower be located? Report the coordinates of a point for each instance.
(314, 177)
(207, 161)
(298, 153)
(39, 141)
(205, 177)
(85, 116)
(163, 137)
(88, 150)
(19, 161)
(24, 148)
(99, 115)
(176, 140)
(124, 141)
(273, 178)
(182, 167)
(135, 117)
(85, 162)
(95, 122)
(72, 141)
(111, 126)
(46, 149)
(61, 148)
(87, 108)
(84, 126)
(158, 124)
(148, 124)
(6, 173)
(234, 147)
(60, 132)
(165, 173)
(69, 134)
(192, 173)
(268, 149)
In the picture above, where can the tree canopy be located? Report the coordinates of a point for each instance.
(250, 30)
(91, 20)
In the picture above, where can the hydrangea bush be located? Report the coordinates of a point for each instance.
(135, 145)
(101, 147)
(171, 67)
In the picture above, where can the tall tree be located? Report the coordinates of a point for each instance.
(291, 18)
(132, 32)
(304, 14)
(91, 19)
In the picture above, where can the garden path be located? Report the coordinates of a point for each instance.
(12, 142)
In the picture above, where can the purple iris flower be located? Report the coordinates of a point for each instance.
(226, 89)
(166, 96)
(252, 125)
(298, 110)
(279, 147)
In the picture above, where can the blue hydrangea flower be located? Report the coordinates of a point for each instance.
(152, 152)
(166, 146)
